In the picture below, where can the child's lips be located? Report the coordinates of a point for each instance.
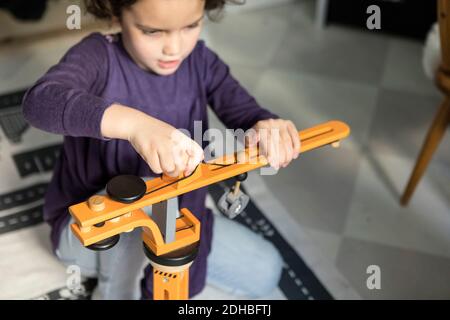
(168, 64)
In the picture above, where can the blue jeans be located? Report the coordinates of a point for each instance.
(240, 262)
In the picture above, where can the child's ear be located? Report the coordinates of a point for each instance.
(115, 23)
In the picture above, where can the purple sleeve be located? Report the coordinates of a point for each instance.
(64, 100)
(234, 106)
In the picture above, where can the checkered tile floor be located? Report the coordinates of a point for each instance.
(347, 200)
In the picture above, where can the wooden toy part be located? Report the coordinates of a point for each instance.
(187, 226)
(182, 180)
(87, 213)
(327, 133)
(336, 144)
(96, 203)
(170, 285)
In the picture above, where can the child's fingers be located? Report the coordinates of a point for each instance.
(282, 152)
(251, 138)
(198, 151)
(180, 157)
(181, 161)
(191, 165)
(196, 155)
(287, 146)
(264, 144)
(153, 162)
(296, 144)
(167, 162)
(273, 149)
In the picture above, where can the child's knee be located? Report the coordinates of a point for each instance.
(271, 266)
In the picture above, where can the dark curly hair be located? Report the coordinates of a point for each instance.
(107, 9)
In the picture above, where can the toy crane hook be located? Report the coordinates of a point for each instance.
(171, 236)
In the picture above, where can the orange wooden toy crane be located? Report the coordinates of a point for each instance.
(171, 236)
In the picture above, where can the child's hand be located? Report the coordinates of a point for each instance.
(278, 141)
(165, 149)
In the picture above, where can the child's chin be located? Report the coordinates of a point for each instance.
(164, 72)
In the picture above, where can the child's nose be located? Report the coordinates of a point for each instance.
(172, 45)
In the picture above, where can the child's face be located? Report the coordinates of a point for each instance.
(159, 34)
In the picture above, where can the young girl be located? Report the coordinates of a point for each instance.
(118, 100)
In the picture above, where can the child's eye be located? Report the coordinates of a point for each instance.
(193, 26)
(151, 33)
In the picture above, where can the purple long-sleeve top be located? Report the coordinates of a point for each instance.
(70, 100)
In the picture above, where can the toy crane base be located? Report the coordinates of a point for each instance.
(171, 272)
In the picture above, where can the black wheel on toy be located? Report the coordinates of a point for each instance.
(126, 188)
(241, 177)
(175, 258)
(105, 244)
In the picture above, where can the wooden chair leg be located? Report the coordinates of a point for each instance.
(434, 136)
